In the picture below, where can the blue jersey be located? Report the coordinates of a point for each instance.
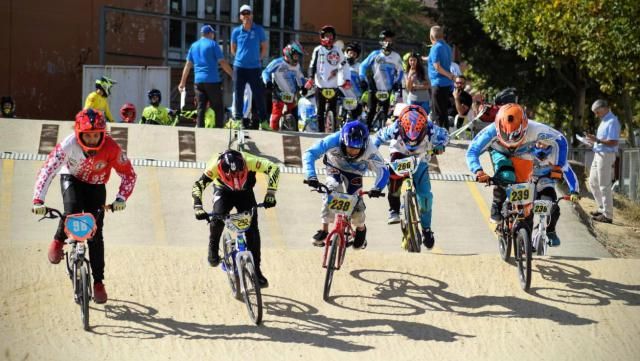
(288, 78)
(330, 147)
(386, 69)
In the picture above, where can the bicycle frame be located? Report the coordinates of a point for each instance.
(342, 228)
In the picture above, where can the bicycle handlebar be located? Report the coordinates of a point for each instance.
(53, 213)
(222, 217)
(323, 188)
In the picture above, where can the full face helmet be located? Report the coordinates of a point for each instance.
(105, 85)
(511, 124)
(354, 47)
(327, 35)
(413, 126)
(154, 93)
(8, 106)
(386, 40)
(90, 121)
(354, 135)
(232, 170)
(289, 52)
(128, 113)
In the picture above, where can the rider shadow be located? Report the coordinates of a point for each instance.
(580, 288)
(429, 294)
(289, 321)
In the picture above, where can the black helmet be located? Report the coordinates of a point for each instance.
(386, 45)
(386, 34)
(328, 29)
(10, 109)
(154, 93)
(355, 47)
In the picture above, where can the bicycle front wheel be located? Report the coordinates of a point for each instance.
(523, 257)
(411, 221)
(85, 283)
(251, 292)
(329, 124)
(504, 241)
(331, 265)
(229, 267)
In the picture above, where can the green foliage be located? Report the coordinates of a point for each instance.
(401, 16)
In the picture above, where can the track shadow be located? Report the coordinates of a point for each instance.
(430, 294)
(580, 288)
(288, 321)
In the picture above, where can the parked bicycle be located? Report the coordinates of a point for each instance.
(339, 238)
(79, 228)
(410, 222)
(237, 261)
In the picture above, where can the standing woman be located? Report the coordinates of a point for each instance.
(417, 83)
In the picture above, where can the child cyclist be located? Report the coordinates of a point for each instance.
(155, 113)
(233, 175)
(85, 160)
(347, 154)
(412, 134)
(97, 100)
(352, 53)
(284, 77)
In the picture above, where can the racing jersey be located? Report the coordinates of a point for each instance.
(436, 136)
(488, 138)
(354, 91)
(159, 115)
(328, 67)
(330, 148)
(98, 102)
(254, 164)
(69, 158)
(288, 78)
(386, 69)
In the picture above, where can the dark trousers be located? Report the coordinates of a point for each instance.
(372, 104)
(253, 77)
(210, 93)
(440, 105)
(321, 102)
(77, 197)
(224, 201)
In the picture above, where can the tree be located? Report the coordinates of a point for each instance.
(401, 16)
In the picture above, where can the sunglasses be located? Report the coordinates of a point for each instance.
(245, 13)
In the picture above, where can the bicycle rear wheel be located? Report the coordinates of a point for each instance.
(411, 222)
(229, 267)
(251, 292)
(329, 122)
(523, 257)
(85, 283)
(331, 265)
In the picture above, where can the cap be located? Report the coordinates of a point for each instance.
(245, 8)
(206, 29)
(600, 103)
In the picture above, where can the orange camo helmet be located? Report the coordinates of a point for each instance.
(511, 124)
(413, 125)
(90, 121)
(232, 170)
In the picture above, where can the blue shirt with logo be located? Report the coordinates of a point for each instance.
(609, 129)
(248, 46)
(440, 53)
(205, 55)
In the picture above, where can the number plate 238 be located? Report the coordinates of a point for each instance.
(342, 203)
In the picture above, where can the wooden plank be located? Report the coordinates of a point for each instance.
(187, 145)
(48, 138)
(121, 136)
(291, 149)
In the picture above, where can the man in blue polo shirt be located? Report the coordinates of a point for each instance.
(605, 148)
(249, 46)
(438, 65)
(204, 56)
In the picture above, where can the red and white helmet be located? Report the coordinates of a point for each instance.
(232, 170)
(90, 121)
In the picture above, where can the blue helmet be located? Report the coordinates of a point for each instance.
(354, 134)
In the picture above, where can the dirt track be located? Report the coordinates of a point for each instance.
(166, 304)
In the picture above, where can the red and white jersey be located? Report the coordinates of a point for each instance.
(68, 158)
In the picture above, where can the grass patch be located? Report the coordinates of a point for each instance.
(629, 209)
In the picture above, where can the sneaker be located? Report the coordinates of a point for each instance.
(602, 218)
(319, 237)
(213, 259)
(360, 239)
(262, 280)
(55, 251)
(394, 217)
(99, 293)
(264, 125)
(404, 244)
(427, 238)
(595, 214)
(496, 214)
(554, 241)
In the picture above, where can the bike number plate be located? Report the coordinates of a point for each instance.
(286, 97)
(520, 193)
(403, 166)
(342, 203)
(239, 222)
(542, 207)
(328, 93)
(382, 96)
(350, 103)
(80, 226)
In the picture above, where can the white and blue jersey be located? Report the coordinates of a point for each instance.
(436, 136)
(334, 158)
(288, 78)
(386, 69)
(354, 91)
(536, 132)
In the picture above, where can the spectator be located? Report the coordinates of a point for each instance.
(605, 147)
(98, 99)
(204, 56)
(8, 107)
(441, 78)
(462, 101)
(416, 82)
(249, 46)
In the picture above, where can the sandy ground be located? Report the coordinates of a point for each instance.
(166, 304)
